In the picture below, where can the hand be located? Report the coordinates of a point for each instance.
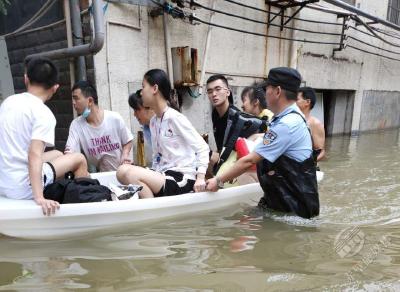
(125, 159)
(199, 185)
(49, 207)
(212, 185)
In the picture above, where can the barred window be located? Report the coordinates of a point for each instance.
(393, 14)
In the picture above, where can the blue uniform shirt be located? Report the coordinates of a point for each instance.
(288, 135)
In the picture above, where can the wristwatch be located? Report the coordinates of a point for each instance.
(220, 183)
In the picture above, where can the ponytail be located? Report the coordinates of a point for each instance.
(173, 100)
(259, 94)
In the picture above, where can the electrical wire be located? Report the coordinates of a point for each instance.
(274, 13)
(359, 20)
(175, 12)
(194, 18)
(371, 45)
(263, 22)
(366, 33)
(372, 53)
(47, 26)
(356, 17)
(37, 16)
(324, 9)
(343, 13)
(387, 33)
(361, 31)
(260, 34)
(370, 34)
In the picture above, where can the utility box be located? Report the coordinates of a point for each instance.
(184, 64)
(6, 81)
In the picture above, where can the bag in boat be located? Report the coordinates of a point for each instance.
(79, 190)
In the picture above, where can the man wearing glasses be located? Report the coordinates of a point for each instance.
(221, 99)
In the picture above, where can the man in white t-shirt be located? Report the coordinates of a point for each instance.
(27, 127)
(102, 135)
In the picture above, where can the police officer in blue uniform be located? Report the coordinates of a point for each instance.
(285, 166)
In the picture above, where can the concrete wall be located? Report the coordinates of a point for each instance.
(341, 112)
(350, 69)
(138, 45)
(380, 110)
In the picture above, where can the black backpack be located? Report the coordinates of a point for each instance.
(79, 190)
(239, 124)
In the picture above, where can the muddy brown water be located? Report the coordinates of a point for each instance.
(354, 245)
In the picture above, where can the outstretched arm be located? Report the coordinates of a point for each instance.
(240, 167)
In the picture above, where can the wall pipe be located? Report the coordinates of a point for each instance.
(68, 25)
(168, 49)
(80, 62)
(293, 47)
(92, 48)
(67, 15)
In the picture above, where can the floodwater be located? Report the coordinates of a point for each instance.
(354, 245)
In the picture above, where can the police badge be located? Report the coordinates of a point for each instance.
(269, 137)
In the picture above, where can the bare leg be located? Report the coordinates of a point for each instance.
(74, 162)
(51, 155)
(151, 181)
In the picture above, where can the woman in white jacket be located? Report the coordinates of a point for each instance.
(180, 155)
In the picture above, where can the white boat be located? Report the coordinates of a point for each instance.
(24, 218)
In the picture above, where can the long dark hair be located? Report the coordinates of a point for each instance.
(159, 77)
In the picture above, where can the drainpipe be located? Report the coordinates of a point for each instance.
(266, 44)
(78, 38)
(67, 14)
(168, 49)
(293, 47)
(92, 48)
(205, 55)
(359, 12)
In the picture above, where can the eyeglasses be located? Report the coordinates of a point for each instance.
(217, 89)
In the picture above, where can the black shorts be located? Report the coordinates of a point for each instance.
(175, 184)
(48, 174)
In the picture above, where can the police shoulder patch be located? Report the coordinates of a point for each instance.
(269, 137)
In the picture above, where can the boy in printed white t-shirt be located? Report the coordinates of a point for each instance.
(27, 127)
(102, 135)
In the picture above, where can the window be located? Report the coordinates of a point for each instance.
(393, 14)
